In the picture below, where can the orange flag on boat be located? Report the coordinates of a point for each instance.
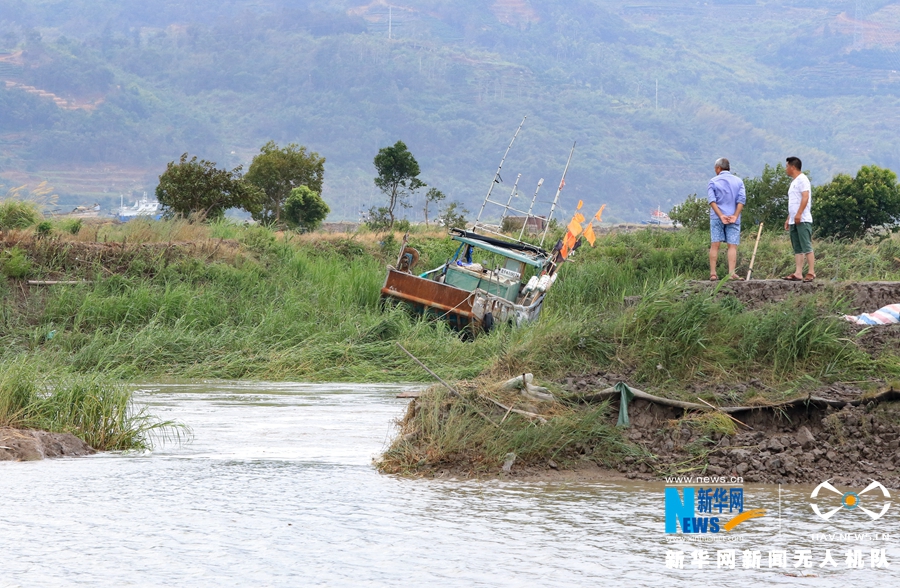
(579, 217)
(580, 204)
(574, 228)
(599, 214)
(589, 234)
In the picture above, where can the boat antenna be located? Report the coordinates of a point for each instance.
(497, 179)
(511, 194)
(530, 208)
(562, 183)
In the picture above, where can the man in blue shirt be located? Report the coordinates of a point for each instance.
(726, 196)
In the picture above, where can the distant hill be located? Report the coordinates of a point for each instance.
(96, 96)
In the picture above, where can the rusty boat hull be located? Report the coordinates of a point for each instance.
(475, 311)
(431, 298)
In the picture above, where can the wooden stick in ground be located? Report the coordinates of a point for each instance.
(446, 385)
(56, 282)
(725, 413)
(753, 257)
(509, 409)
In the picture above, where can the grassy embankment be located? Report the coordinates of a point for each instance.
(175, 300)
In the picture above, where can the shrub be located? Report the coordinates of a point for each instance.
(44, 229)
(847, 207)
(15, 263)
(72, 226)
(693, 213)
(767, 200)
(305, 209)
(454, 216)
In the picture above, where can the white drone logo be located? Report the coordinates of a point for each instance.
(851, 500)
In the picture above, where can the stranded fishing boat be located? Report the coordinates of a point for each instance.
(492, 277)
(470, 291)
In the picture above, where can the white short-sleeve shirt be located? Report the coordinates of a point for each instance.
(795, 195)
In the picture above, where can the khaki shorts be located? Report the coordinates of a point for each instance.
(801, 238)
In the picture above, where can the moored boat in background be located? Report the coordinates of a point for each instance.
(144, 207)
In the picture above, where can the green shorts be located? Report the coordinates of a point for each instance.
(801, 238)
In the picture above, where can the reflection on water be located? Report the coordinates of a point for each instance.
(277, 489)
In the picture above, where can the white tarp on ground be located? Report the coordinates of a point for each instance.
(886, 315)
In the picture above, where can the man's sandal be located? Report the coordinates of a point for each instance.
(809, 277)
(713, 278)
(736, 278)
(792, 278)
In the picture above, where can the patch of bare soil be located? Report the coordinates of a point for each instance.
(30, 445)
(879, 338)
(583, 471)
(863, 296)
(792, 445)
(84, 259)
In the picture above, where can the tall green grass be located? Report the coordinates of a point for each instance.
(670, 335)
(18, 214)
(439, 430)
(282, 306)
(90, 406)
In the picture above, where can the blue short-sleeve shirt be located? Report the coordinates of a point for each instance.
(726, 190)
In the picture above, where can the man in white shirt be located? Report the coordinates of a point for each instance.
(799, 221)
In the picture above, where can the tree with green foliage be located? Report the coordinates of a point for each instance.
(305, 209)
(693, 213)
(847, 207)
(432, 197)
(398, 178)
(377, 219)
(767, 200)
(195, 186)
(277, 171)
(454, 216)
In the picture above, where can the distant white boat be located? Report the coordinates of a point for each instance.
(658, 217)
(142, 208)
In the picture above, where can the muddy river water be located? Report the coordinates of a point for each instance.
(277, 488)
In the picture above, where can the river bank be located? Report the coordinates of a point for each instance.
(848, 441)
(175, 300)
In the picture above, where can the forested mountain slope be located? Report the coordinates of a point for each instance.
(96, 96)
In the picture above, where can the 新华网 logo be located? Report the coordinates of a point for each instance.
(703, 510)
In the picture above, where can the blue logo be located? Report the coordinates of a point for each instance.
(700, 510)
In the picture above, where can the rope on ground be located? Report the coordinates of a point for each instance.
(613, 392)
(446, 385)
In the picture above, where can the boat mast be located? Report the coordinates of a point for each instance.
(511, 194)
(562, 183)
(530, 208)
(497, 178)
